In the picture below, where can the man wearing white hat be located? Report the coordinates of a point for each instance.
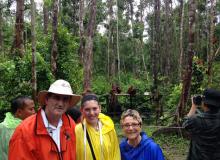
(49, 134)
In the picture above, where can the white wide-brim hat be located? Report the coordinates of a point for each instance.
(61, 87)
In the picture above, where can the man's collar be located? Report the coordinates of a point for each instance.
(47, 123)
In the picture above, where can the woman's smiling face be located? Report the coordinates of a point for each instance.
(131, 128)
(90, 111)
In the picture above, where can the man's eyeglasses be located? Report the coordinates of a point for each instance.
(133, 125)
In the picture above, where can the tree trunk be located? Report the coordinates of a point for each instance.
(118, 51)
(88, 54)
(18, 45)
(142, 6)
(111, 56)
(181, 38)
(81, 30)
(168, 39)
(54, 50)
(131, 19)
(156, 51)
(210, 53)
(187, 77)
(46, 18)
(33, 40)
(75, 15)
(1, 26)
(131, 7)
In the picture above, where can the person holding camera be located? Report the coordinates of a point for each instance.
(204, 127)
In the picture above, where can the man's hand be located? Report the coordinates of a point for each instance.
(193, 108)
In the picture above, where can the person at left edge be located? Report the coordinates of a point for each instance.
(21, 108)
(49, 134)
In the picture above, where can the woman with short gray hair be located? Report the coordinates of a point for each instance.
(137, 145)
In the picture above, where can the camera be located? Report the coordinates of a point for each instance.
(197, 100)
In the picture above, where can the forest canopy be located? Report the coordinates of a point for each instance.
(167, 48)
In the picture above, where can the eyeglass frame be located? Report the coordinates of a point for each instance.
(134, 125)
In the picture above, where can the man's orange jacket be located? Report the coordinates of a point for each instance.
(31, 141)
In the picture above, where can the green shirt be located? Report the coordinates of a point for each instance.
(7, 128)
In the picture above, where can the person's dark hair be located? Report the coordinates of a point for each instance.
(74, 113)
(18, 103)
(49, 94)
(88, 96)
(211, 99)
(212, 108)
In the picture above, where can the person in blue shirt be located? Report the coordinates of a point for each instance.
(137, 145)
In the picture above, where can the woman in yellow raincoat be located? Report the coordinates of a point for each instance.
(96, 138)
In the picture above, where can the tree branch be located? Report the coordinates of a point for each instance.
(216, 53)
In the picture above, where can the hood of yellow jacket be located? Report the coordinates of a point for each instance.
(107, 123)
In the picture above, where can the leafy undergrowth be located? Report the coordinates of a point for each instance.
(174, 147)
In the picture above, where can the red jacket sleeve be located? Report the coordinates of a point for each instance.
(18, 149)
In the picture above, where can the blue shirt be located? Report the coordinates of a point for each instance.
(147, 149)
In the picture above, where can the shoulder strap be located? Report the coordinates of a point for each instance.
(90, 144)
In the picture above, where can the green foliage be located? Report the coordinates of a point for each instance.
(218, 6)
(100, 85)
(68, 65)
(7, 70)
(47, 2)
(100, 54)
(101, 12)
(201, 7)
(172, 97)
(128, 79)
(215, 78)
(16, 76)
(174, 147)
(138, 30)
(7, 35)
(197, 76)
(69, 16)
(44, 46)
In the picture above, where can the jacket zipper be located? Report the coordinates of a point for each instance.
(59, 153)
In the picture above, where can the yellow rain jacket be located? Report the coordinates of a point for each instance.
(110, 148)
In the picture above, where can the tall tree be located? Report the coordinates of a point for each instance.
(111, 54)
(181, 38)
(140, 30)
(88, 54)
(187, 76)
(46, 17)
(81, 29)
(155, 56)
(210, 53)
(131, 13)
(168, 46)
(1, 25)
(18, 45)
(54, 49)
(33, 41)
(130, 17)
(70, 15)
(118, 51)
